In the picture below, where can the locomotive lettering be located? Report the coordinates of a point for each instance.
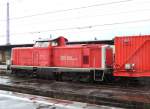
(68, 58)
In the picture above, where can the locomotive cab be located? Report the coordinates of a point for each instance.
(61, 41)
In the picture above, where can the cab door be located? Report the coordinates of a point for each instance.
(85, 57)
(35, 58)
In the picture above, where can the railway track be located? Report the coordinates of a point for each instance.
(115, 86)
(106, 94)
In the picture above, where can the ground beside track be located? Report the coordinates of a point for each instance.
(26, 101)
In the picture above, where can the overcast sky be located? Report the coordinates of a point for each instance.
(75, 19)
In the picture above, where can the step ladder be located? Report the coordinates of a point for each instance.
(99, 75)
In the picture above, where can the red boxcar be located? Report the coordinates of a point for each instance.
(132, 56)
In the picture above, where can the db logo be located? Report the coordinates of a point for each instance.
(68, 58)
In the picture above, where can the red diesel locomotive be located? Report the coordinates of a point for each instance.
(54, 57)
(128, 57)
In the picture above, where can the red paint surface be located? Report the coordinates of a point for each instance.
(109, 57)
(81, 56)
(31, 56)
(67, 56)
(133, 50)
(22, 56)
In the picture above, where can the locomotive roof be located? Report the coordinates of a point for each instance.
(111, 42)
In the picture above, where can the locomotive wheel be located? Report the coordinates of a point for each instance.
(77, 77)
(126, 81)
(22, 73)
(88, 77)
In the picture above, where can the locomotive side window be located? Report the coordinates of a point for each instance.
(41, 44)
(54, 43)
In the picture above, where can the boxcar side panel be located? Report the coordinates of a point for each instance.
(132, 56)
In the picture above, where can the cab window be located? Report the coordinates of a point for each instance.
(41, 44)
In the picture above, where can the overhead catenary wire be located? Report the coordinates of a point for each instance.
(70, 9)
(89, 16)
(83, 27)
(80, 17)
